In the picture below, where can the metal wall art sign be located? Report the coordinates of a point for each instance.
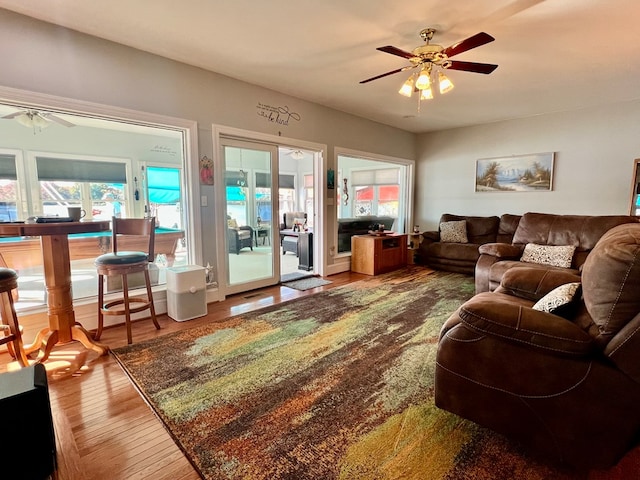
(278, 115)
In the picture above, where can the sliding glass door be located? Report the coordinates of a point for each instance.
(251, 215)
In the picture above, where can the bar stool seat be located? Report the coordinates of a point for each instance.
(10, 326)
(123, 264)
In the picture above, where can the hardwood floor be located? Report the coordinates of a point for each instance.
(104, 429)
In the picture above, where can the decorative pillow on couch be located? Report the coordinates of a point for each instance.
(454, 232)
(558, 297)
(556, 256)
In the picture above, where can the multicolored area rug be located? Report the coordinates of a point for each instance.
(336, 385)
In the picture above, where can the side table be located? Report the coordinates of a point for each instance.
(262, 232)
(415, 239)
(373, 255)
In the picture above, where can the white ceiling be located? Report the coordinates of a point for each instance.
(553, 55)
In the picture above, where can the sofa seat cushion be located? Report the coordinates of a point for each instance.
(243, 234)
(466, 252)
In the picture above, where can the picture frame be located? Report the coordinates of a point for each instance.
(517, 173)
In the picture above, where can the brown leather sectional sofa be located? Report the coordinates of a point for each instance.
(462, 257)
(566, 385)
(581, 231)
(496, 243)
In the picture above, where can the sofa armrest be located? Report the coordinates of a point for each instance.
(526, 327)
(534, 283)
(623, 348)
(503, 251)
(430, 237)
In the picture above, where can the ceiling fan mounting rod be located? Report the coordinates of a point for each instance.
(427, 34)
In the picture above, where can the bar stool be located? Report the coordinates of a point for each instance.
(123, 263)
(10, 326)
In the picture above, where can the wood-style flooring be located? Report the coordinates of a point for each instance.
(104, 429)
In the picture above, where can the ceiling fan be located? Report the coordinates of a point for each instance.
(36, 119)
(431, 57)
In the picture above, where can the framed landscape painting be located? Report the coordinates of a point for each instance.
(521, 173)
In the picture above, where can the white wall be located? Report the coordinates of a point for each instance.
(595, 151)
(44, 58)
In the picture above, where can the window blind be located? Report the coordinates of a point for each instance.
(383, 176)
(8, 167)
(287, 181)
(61, 169)
(263, 180)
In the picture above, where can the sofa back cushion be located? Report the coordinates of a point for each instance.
(581, 231)
(507, 227)
(479, 229)
(611, 280)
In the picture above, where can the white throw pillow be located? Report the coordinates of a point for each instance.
(454, 232)
(556, 256)
(558, 297)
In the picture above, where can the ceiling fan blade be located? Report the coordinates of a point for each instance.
(477, 40)
(485, 68)
(13, 115)
(398, 70)
(58, 120)
(396, 51)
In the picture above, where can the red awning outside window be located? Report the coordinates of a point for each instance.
(386, 193)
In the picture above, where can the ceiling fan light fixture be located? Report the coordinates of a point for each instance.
(407, 87)
(424, 79)
(426, 94)
(31, 120)
(297, 155)
(444, 83)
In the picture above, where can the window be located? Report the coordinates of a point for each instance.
(287, 193)
(369, 189)
(8, 188)
(164, 193)
(96, 186)
(263, 198)
(385, 199)
(96, 165)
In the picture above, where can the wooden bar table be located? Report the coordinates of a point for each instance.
(54, 243)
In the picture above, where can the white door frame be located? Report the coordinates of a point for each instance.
(319, 179)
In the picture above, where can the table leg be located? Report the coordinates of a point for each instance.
(63, 327)
(81, 335)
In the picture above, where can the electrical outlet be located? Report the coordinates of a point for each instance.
(203, 201)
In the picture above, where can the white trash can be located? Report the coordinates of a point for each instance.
(186, 292)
